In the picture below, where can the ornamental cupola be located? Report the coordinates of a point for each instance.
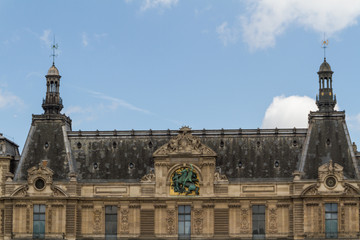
(52, 104)
(326, 100)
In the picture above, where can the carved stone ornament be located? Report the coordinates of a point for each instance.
(244, 224)
(40, 171)
(184, 144)
(218, 177)
(198, 218)
(332, 169)
(150, 177)
(97, 220)
(273, 220)
(170, 221)
(124, 229)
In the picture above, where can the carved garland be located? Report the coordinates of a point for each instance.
(273, 220)
(170, 219)
(244, 224)
(124, 221)
(97, 221)
(198, 216)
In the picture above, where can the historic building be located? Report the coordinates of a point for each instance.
(169, 184)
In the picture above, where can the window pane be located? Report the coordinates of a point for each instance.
(42, 217)
(181, 209)
(36, 208)
(110, 222)
(42, 208)
(181, 228)
(258, 221)
(187, 228)
(181, 217)
(187, 217)
(187, 209)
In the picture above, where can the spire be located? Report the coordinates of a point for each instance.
(326, 100)
(52, 104)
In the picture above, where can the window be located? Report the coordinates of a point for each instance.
(331, 220)
(258, 221)
(39, 221)
(111, 222)
(184, 221)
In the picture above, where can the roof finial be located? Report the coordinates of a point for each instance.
(324, 44)
(54, 47)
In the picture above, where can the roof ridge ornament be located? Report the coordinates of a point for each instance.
(184, 144)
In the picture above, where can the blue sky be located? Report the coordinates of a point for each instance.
(159, 64)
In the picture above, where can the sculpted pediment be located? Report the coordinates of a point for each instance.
(330, 182)
(184, 144)
(40, 183)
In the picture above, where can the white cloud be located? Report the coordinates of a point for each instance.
(354, 121)
(116, 102)
(45, 38)
(85, 40)
(8, 99)
(149, 4)
(202, 10)
(226, 34)
(289, 112)
(267, 19)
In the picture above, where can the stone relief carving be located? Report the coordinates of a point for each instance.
(184, 143)
(273, 220)
(40, 171)
(244, 224)
(218, 177)
(331, 168)
(124, 221)
(198, 218)
(170, 220)
(342, 219)
(150, 177)
(20, 191)
(97, 220)
(40, 179)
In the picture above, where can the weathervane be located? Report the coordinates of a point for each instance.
(324, 45)
(54, 47)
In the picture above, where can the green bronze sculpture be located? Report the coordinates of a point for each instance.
(185, 181)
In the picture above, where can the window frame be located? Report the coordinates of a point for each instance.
(258, 214)
(331, 217)
(111, 211)
(184, 221)
(39, 217)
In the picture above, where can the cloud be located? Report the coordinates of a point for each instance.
(265, 20)
(85, 40)
(8, 99)
(45, 38)
(354, 121)
(116, 102)
(149, 4)
(226, 34)
(202, 10)
(289, 112)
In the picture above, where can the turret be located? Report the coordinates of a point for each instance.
(326, 100)
(52, 104)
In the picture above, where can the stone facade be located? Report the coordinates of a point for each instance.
(220, 184)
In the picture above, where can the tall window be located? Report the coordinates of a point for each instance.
(184, 221)
(331, 220)
(111, 222)
(39, 221)
(258, 221)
